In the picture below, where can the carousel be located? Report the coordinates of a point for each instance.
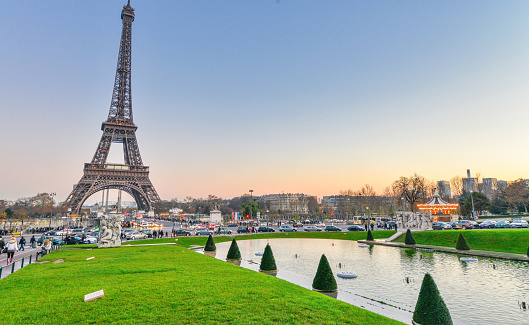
(440, 209)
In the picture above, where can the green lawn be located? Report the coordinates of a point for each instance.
(201, 241)
(499, 240)
(162, 285)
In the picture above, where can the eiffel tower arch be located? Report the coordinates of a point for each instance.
(132, 177)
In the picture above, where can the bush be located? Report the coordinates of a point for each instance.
(430, 308)
(268, 263)
(527, 251)
(369, 235)
(409, 238)
(324, 279)
(462, 244)
(210, 245)
(234, 253)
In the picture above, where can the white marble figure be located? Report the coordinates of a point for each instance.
(110, 231)
(420, 220)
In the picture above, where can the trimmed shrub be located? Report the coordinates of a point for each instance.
(210, 245)
(462, 244)
(268, 262)
(369, 235)
(430, 308)
(527, 251)
(324, 279)
(409, 238)
(234, 253)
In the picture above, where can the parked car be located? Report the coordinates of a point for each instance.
(464, 224)
(79, 232)
(487, 224)
(148, 232)
(441, 226)
(136, 235)
(90, 240)
(519, 224)
(332, 228)
(287, 229)
(54, 240)
(502, 224)
(232, 225)
(203, 232)
(266, 229)
(312, 228)
(297, 224)
(242, 229)
(73, 240)
(223, 231)
(182, 232)
(355, 228)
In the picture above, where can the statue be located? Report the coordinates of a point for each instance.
(110, 231)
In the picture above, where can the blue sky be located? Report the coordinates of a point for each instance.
(275, 96)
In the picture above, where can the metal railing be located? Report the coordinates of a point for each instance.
(11, 268)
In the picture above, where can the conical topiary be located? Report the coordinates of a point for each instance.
(234, 253)
(210, 245)
(462, 244)
(268, 262)
(430, 308)
(409, 238)
(369, 235)
(324, 279)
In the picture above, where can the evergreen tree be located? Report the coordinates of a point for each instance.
(268, 263)
(369, 235)
(462, 244)
(409, 238)
(234, 253)
(430, 308)
(324, 279)
(210, 245)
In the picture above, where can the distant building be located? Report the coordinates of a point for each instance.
(489, 187)
(470, 184)
(287, 203)
(444, 189)
(502, 185)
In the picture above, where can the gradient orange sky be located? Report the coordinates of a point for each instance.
(290, 96)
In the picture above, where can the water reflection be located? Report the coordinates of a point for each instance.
(484, 292)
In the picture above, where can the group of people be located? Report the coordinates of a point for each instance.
(12, 246)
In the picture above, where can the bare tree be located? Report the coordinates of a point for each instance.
(517, 194)
(413, 188)
(456, 184)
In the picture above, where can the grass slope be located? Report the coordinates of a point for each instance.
(201, 241)
(499, 240)
(162, 285)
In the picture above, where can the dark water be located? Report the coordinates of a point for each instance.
(488, 291)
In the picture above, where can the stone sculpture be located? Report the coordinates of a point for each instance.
(419, 220)
(110, 231)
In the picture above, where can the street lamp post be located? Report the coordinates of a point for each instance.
(368, 219)
(51, 207)
(251, 204)
(472, 200)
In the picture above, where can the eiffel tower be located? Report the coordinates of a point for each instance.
(131, 177)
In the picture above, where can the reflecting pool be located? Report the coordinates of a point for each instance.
(488, 291)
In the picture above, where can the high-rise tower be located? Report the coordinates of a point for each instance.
(132, 176)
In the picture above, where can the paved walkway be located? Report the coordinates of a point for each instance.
(450, 250)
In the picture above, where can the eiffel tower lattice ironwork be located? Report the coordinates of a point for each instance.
(131, 177)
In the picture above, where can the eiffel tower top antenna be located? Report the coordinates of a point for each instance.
(121, 104)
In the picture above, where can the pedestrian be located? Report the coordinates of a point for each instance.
(12, 247)
(32, 241)
(372, 227)
(395, 226)
(2, 245)
(22, 242)
(46, 247)
(83, 237)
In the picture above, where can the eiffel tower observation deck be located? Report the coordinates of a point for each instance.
(132, 176)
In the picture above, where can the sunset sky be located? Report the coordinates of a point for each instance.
(271, 95)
